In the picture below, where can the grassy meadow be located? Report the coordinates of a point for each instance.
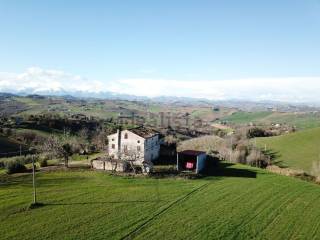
(238, 203)
(299, 120)
(246, 117)
(296, 150)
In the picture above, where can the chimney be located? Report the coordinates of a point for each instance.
(119, 141)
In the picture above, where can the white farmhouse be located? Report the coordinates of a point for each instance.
(139, 143)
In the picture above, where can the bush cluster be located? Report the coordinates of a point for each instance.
(14, 166)
(43, 162)
(257, 132)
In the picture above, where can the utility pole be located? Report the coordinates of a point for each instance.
(34, 181)
(231, 149)
(255, 145)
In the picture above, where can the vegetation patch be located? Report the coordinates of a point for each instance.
(246, 117)
(296, 150)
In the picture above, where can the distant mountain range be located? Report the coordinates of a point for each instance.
(245, 105)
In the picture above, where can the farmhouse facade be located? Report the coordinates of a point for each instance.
(139, 144)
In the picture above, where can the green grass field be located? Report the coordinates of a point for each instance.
(246, 117)
(299, 120)
(296, 150)
(241, 203)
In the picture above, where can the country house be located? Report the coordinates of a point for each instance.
(139, 146)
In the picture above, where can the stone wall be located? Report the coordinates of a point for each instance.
(108, 165)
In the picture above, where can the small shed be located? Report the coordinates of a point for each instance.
(191, 161)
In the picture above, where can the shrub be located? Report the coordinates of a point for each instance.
(43, 162)
(257, 132)
(14, 166)
(2, 164)
(24, 159)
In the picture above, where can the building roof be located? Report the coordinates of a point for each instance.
(192, 152)
(144, 132)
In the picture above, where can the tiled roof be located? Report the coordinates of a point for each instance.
(144, 132)
(192, 152)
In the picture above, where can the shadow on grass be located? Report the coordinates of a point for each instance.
(274, 157)
(105, 202)
(214, 167)
(222, 169)
(165, 172)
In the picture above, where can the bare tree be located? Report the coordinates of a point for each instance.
(132, 157)
(99, 140)
(83, 140)
(59, 147)
(135, 160)
(257, 158)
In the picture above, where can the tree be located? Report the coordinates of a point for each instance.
(136, 161)
(66, 153)
(170, 139)
(83, 140)
(131, 157)
(59, 147)
(257, 158)
(99, 140)
(257, 132)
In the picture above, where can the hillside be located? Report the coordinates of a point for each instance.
(205, 143)
(240, 203)
(300, 120)
(7, 145)
(246, 117)
(296, 150)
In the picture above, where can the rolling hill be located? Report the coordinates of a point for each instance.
(300, 120)
(7, 145)
(296, 150)
(240, 203)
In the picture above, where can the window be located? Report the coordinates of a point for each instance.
(138, 141)
(138, 148)
(125, 148)
(126, 136)
(113, 146)
(112, 139)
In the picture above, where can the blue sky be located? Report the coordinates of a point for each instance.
(196, 41)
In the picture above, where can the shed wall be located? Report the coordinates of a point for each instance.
(201, 162)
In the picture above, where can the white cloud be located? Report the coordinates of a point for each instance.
(35, 80)
(278, 89)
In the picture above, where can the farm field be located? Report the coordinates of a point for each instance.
(246, 117)
(296, 150)
(240, 203)
(299, 120)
